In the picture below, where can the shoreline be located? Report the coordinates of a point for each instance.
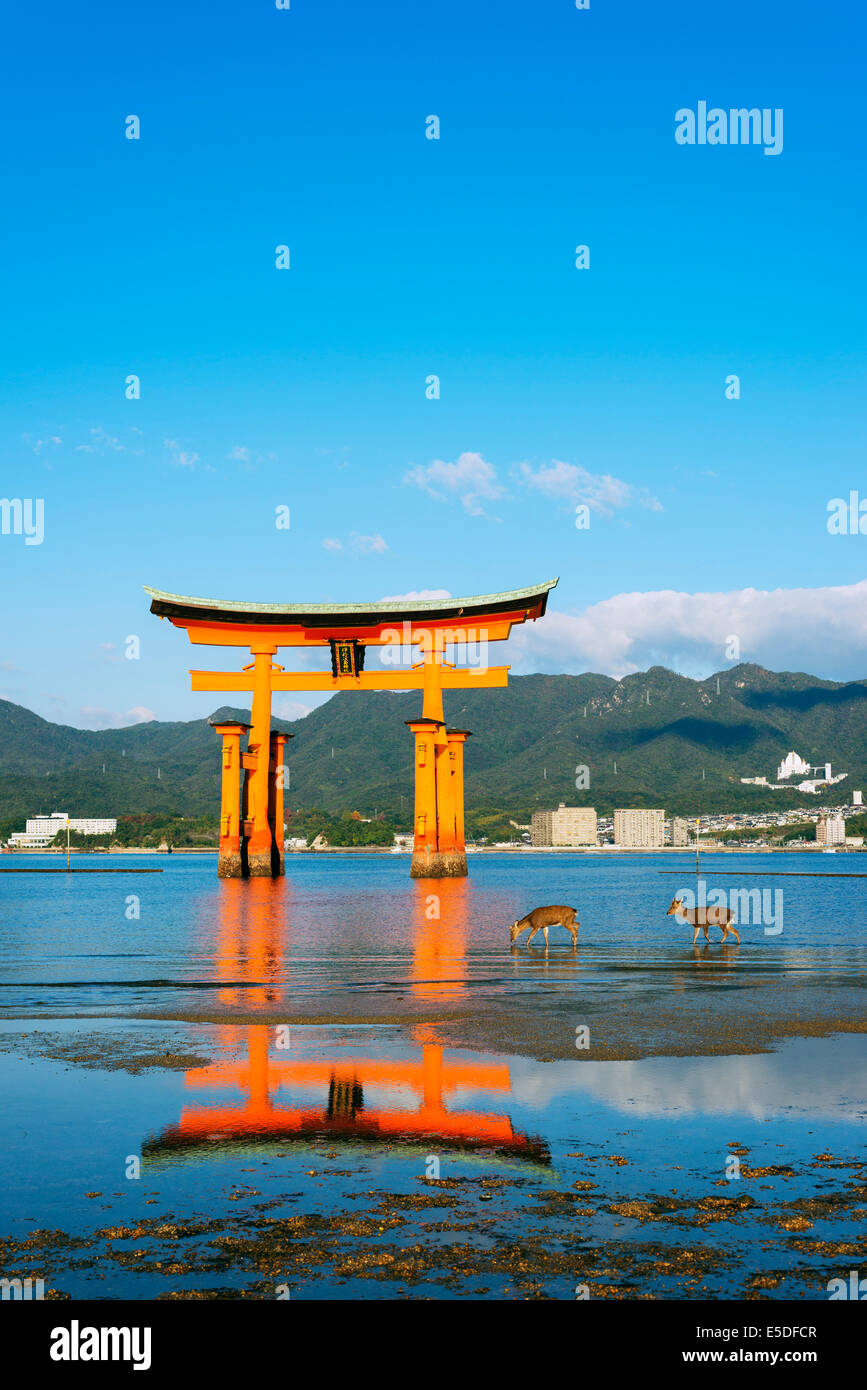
(603, 850)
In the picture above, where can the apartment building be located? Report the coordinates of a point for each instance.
(679, 831)
(639, 829)
(831, 830)
(567, 826)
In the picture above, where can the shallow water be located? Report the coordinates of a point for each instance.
(345, 1084)
(352, 938)
(360, 920)
(309, 1167)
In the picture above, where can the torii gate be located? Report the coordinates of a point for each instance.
(251, 838)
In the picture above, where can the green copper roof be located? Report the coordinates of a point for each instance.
(318, 614)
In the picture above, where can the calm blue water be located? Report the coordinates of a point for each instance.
(140, 1019)
(361, 922)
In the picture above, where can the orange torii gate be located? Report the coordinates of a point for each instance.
(251, 813)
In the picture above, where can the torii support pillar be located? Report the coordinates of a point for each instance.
(436, 851)
(277, 776)
(260, 840)
(457, 738)
(229, 861)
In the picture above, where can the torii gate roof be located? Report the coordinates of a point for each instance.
(231, 622)
(326, 615)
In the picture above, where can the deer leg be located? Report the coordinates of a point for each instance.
(545, 934)
(533, 931)
(729, 929)
(695, 934)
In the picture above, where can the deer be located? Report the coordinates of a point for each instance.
(541, 918)
(700, 918)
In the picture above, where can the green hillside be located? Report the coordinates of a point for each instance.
(677, 743)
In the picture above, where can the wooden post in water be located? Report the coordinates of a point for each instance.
(260, 840)
(229, 860)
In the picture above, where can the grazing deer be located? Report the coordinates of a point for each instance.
(700, 918)
(541, 918)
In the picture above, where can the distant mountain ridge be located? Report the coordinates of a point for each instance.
(661, 730)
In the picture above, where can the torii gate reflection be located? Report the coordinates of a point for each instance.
(341, 1112)
(253, 962)
(254, 933)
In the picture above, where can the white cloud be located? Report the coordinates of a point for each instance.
(140, 714)
(364, 545)
(37, 444)
(471, 478)
(792, 1082)
(415, 594)
(369, 545)
(100, 441)
(95, 717)
(181, 457)
(572, 483)
(291, 709)
(820, 631)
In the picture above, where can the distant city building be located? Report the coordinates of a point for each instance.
(639, 829)
(58, 820)
(679, 831)
(831, 830)
(856, 799)
(568, 825)
(40, 831)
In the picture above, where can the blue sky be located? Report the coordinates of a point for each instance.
(412, 257)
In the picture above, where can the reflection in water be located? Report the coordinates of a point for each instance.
(340, 1107)
(439, 938)
(253, 927)
(545, 963)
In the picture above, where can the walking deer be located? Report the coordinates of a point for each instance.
(700, 918)
(541, 918)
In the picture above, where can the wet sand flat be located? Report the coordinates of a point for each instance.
(379, 1163)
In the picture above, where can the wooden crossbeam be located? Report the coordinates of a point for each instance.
(471, 628)
(451, 679)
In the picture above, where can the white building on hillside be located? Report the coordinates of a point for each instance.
(791, 766)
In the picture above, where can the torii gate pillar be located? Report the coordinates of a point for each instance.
(260, 841)
(229, 861)
(276, 812)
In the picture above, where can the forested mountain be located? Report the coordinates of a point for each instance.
(675, 742)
